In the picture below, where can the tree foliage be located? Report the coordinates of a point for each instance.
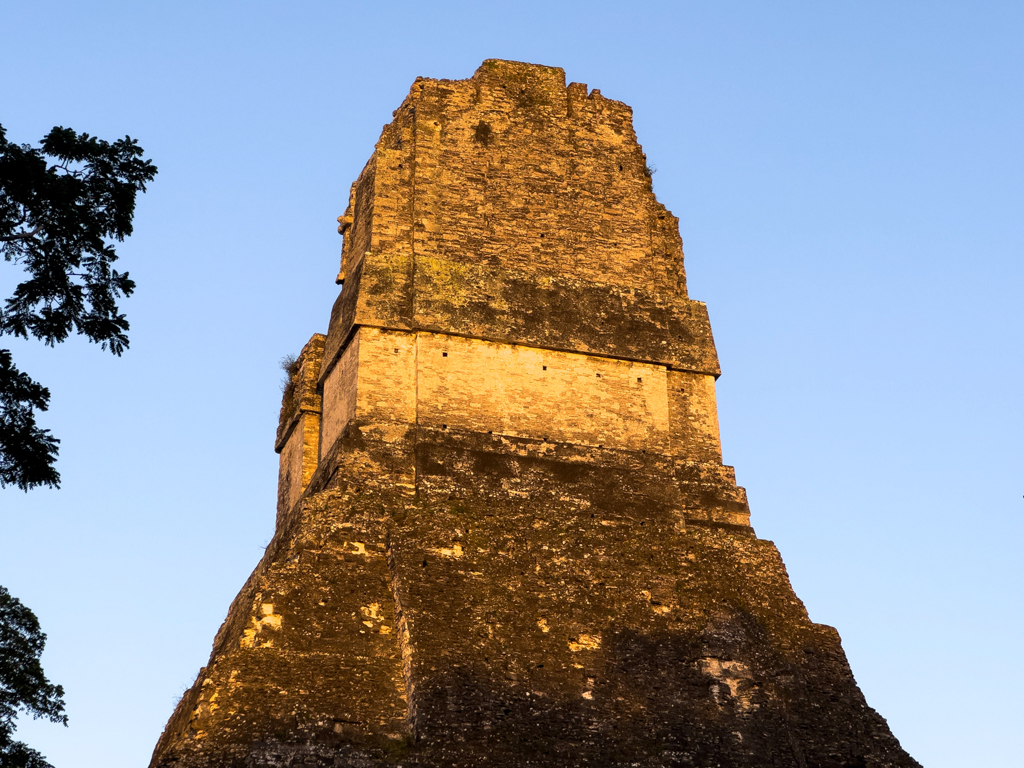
(23, 686)
(62, 206)
(27, 453)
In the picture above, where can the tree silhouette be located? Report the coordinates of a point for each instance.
(62, 205)
(23, 686)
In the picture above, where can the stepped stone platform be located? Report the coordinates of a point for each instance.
(505, 534)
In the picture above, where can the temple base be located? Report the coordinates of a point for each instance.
(443, 599)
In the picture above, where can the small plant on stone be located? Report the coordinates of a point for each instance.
(290, 366)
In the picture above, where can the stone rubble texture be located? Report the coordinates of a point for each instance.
(505, 535)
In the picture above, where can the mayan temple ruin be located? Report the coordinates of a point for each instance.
(505, 535)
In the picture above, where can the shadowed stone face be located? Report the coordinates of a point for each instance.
(505, 535)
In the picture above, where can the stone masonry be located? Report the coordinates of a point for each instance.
(505, 535)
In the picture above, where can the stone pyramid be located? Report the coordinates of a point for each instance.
(505, 535)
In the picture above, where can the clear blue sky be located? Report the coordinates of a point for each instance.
(850, 182)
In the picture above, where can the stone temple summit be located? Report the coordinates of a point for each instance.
(505, 535)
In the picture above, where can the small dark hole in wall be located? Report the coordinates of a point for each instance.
(639, 378)
(424, 563)
(598, 375)
(444, 426)
(482, 133)
(444, 354)
(620, 166)
(544, 367)
(490, 431)
(396, 351)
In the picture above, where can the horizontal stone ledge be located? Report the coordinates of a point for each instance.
(667, 364)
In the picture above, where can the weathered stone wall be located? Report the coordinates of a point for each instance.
(522, 604)
(308, 652)
(519, 545)
(298, 432)
(527, 392)
(693, 412)
(387, 377)
(513, 208)
(442, 380)
(339, 395)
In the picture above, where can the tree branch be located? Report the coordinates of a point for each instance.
(20, 236)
